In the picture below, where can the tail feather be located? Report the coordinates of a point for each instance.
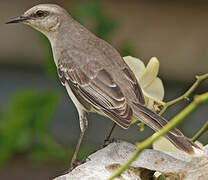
(183, 143)
(156, 122)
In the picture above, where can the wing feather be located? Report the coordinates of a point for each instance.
(99, 90)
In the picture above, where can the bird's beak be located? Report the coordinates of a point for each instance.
(17, 19)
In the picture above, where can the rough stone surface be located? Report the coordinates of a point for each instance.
(104, 162)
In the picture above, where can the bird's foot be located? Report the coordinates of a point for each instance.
(107, 142)
(74, 164)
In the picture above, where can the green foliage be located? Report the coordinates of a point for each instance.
(161, 177)
(91, 14)
(24, 123)
(47, 149)
(49, 65)
(141, 126)
(127, 49)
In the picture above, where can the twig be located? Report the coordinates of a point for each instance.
(186, 95)
(200, 132)
(174, 122)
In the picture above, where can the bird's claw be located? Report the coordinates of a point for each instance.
(107, 142)
(74, 164)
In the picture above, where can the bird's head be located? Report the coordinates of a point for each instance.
(45, 18)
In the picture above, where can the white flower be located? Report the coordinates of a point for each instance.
(151, 85)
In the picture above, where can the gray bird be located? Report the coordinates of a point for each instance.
(96, 77)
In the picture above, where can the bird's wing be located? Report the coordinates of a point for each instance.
(93, 83)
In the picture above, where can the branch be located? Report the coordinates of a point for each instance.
(200, 132)
(186, 95)
(174, 122)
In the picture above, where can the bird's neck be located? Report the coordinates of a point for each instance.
(69, 35)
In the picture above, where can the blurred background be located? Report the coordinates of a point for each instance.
(39, 124)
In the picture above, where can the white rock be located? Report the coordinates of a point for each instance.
(104, 162)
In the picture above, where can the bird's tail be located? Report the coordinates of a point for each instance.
(156, 122)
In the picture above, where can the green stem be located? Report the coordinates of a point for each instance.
(200, 132)
(199, 79)
(174, 122)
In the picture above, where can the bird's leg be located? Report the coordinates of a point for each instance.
(83, 126)
(106, 141)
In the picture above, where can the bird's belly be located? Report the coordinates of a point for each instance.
(79, 106)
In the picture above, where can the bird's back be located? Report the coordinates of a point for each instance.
(92, 54)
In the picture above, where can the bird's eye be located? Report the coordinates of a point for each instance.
(40, 13)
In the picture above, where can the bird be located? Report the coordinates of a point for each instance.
(95, 75)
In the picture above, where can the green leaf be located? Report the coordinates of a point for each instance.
(27, 115)
(127, 49)
(161, 177)
(49, 64)
(92, 15)
(141, 126)
(47, 149)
